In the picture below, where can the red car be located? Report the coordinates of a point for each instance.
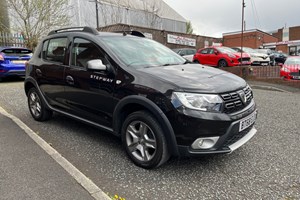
(291, 68)
(221, 57)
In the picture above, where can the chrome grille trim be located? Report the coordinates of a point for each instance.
(234, 103)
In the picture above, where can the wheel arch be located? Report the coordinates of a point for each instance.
(135, 103)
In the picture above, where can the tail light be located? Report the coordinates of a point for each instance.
(1, 57)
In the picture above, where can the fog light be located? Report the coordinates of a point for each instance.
(205, 143)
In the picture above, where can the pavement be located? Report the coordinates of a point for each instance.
(31, 169)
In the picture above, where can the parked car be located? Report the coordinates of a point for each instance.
(12, 61)
(270, 53)
(280, 58)
(256, 57)
(291, 68)
(187, 53)
(220, 57)
(159, 104)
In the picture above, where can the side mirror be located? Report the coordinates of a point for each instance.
(96, 65)
(181, 54)
(280, 64)
(216, 52)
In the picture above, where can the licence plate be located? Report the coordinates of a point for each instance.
(296, 77)
(247, 121)
(18, 61)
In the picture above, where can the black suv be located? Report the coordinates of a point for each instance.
(154, 100)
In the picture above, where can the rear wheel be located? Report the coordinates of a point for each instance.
(222, 63)
(144, 141)
(37, 107)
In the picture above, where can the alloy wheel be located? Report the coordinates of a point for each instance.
(141, 141)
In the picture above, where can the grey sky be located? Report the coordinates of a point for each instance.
(212, 18)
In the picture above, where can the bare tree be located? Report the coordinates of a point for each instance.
(4, 22)
(35, 18)
(151, 9)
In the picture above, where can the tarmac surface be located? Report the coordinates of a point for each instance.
(28, 172)
(31, 169)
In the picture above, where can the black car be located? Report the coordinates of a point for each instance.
(280, 58)
(159, 104)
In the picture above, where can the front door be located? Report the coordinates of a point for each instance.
(89, 93)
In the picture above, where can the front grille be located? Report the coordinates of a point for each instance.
(295, 73)
(234, 138)
(244, 59)
(238, 100)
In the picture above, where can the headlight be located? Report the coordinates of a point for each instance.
(203, 102)
(231, 55)
(286, 69)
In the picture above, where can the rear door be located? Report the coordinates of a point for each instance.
(49, 73)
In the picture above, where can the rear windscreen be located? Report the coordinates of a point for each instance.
(17, 52)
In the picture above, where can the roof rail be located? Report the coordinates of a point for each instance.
(86, 29)
(134, 33)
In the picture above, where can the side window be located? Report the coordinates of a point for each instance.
(204, 51)
(210, 51)
(55, 49)
(83, 51)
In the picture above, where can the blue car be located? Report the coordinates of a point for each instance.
(12, 61)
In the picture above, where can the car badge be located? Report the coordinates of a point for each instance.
(243, 96)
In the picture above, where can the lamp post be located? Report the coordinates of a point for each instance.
(242, 36)
(97, 17)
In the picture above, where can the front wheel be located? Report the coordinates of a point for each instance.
(222, 63)
(144, 141)
(37, 107)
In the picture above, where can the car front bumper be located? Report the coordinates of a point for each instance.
(223, 129)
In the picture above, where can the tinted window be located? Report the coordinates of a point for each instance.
(55, 49)
(83, 51)
(17, 52)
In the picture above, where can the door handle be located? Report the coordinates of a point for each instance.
(38, 72)
(70, 80)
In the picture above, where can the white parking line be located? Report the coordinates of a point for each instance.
(84, 181)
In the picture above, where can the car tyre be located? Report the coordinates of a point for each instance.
(196, 61)
(144, 141)
(222, 63)
(37, 107)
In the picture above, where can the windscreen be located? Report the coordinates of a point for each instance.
(139, 52)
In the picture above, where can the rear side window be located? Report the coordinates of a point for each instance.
(55, 49)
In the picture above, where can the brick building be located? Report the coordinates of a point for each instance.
(252, 38)
(168, 38)
(288, 40)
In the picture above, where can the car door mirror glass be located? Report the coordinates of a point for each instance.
(96, 64)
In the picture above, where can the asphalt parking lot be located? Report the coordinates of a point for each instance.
(267, 167)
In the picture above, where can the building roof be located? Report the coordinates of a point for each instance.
(246, 31)
(158, 7)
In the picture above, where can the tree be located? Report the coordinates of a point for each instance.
(189, 27)
(4, 22)
(35, 18)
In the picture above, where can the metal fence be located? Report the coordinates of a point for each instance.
(11, 39)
